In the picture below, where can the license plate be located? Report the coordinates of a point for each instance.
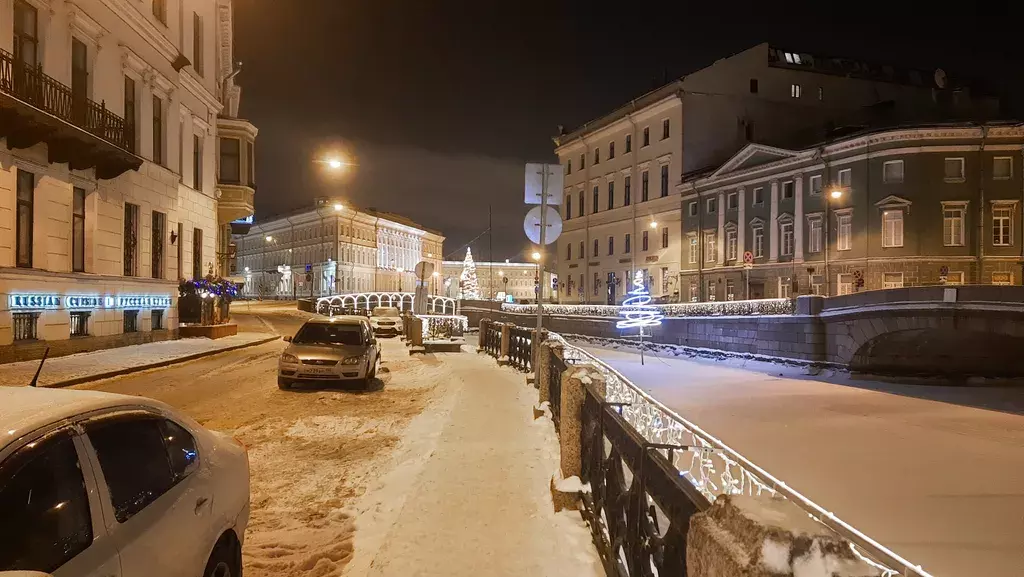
(317, 371)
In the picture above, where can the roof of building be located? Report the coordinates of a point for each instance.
(371, 212)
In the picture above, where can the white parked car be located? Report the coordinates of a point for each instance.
(100, 485)
(386, 321)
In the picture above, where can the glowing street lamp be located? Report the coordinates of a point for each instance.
(338, 207)
(654, 224)
(270, 238)
(836, 194)
(536, 256)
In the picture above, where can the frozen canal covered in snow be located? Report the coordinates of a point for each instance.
(939, 482)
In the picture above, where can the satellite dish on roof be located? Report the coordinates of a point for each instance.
(940, 78)
(531, 224)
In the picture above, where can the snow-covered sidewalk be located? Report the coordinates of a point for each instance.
(84, 367)
(474, 499)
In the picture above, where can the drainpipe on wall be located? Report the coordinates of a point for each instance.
(981, 205)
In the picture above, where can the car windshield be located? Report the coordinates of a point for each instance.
(329, 334)
(385, 312)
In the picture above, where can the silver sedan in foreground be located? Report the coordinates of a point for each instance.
(330, 349)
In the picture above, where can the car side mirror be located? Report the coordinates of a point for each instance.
(287, 339)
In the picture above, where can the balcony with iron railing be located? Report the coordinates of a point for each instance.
(36, 108)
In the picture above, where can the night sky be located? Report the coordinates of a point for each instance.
(441, 102)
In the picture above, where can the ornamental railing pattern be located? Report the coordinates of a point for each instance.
(30, 85)
(520, 348)
(784, 306)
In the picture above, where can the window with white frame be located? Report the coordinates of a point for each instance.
(892, 228)
(953, 225)
(892, 280)
(757, 197)
(955, 277)
(953, 169)
(814, 235)
(892, 171)
(758, 242)
(1002, 225)
(730, 290)
(693, 208)
(694, 292)
(844, 284)
(731, 246)
(785, 287)
(814, 183)
(712, 205)
(844, 236)
(712, 290)
(710, 247)
(731, 201)
(1002, 167)
(693, 250)
(1002, 278)
(846, 178)
(795, 90)
(786, 233)
(787, 190)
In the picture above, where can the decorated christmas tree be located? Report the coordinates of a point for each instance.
(469, 289)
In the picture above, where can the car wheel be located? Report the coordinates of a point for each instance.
(225, 561)
(283, 383)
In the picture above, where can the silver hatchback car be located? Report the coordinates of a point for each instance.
(330, 349)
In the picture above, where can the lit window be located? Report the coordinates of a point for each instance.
(953, 226)
(892, 228)
(892, 172)
(1002, 225)
(795, 90)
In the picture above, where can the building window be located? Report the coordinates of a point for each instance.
(953, 226)
(197, 253)
(158, 130)
(644, 242)
(1002, 167)
(230, 160)
(844, 240)
(892, 172)
(629, 244)
(844, 283)
(595, 247)
(583, 253)
(731, 247)
(665, 129)
(664, 180)
(846, 178)
(629, 143)
(758, 242)
(786, 232)
(131, 321)
(732, 201)
(748, 130)
(1002, 278)
(664, 237)
(821, 94)
(160, 10)
(130, 117)
(730, 290)
(892, 228)
(79, 76)
(26, 34)
(644, 186)
(26, 215)
(79, 324)
(627, 192)
(693, 208)
(78, 230)
(712, 205)
(568, 206)
(568, 167)
(710, 247)
(157, 239)
(753, 85)
(611, 150)
(892, 280)
(597, 199)
(597, 156)
(1002, 225)
(955, 278)
(693, 250)
(646, 137)
(694, 292)
(711, 290)
(197, 43)
(814, 235)
(954, 169)
(583, 161)
(795, 90)
(581, 202)
(156, 321)
(785, 287)
(814, 183)
(787, 190)
(757, 197)
(197, 162)
(611, 245)
(131, 239)
(24, 326)
(568, 251)
(611, 195)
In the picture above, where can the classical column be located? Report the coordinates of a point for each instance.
(798, 219)
(773, 231)
(721, 229)
(741, 226)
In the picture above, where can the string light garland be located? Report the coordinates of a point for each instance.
(636, 310)
(784, 306)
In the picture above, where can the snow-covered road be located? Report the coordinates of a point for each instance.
(939, 483)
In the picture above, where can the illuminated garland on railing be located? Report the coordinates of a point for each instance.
(443, 327)
(705, 309)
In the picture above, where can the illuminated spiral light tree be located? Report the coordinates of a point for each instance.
(637, 311)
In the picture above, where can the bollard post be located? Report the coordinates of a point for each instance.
(506, 341)
(483, 335)
(570, 429)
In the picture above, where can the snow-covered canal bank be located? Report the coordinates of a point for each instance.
(938, 482)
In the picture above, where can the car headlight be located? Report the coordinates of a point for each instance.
(353, 360)
(289, 359)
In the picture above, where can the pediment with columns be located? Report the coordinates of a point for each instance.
(751, 156)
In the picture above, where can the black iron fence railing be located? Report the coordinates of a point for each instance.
(520, 348)
(492, 340)
(30, 85)
(556, 366)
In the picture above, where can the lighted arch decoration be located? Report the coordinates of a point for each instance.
(436, 304)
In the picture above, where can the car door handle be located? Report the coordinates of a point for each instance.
(200, 502)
